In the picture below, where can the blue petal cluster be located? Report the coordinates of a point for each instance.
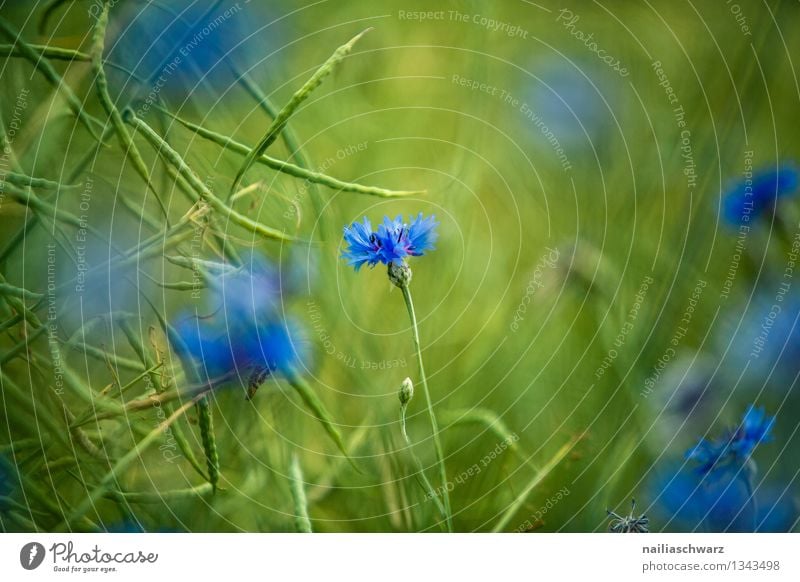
(244, 335)
(392, 242)
(750, 198)
(735, 449)
(719, 494)
(693, 502)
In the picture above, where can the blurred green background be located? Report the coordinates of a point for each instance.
(575, 234)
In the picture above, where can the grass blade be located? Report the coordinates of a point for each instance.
(517, 503)
(315, 405)
(101, 83)
(302, 523)
(112, 476)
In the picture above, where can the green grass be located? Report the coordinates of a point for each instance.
(389, 132)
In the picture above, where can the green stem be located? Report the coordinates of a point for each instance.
(422, 479)
(437, 442)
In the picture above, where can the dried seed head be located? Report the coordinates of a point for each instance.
(406, 391)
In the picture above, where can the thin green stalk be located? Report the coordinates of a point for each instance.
(23, 180)
(44, 67)
(313, 403)
(95, 352)
(492, 422)
(293, 170)
(437, 442)
(50, 52)
(18, 292)
(160, 497)
(47, 11)
(57, 53)
(15, 301)
(22, 345)
(517, 503)
(101, 83)
(137, 344)
(277, 125)
(31, 200)
(174, 158)
(302, 523)
(288, 136)
(112, 476)
(422, 479)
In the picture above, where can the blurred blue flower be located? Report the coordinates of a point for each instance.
(777, 512)
(763, 342)
(182, 47)
(749, 198)
(690, 501)
(571, 101)
(246, 335)
(393, 242)
(734, 449)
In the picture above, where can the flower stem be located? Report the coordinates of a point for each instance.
(420, 476)
(434, 425)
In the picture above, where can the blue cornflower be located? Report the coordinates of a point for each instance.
(246, 335)
(749, 198)
(689, 501)
(392, 243)
(737, 446)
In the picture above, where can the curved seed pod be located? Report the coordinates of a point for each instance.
(284, 114)
(206, 422)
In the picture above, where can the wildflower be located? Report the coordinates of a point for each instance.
(719, 494)
(572, 101)
(630, 523)
(690, 501)
(391, 243)
(749, 198)
(736, 447)
(246, 335)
